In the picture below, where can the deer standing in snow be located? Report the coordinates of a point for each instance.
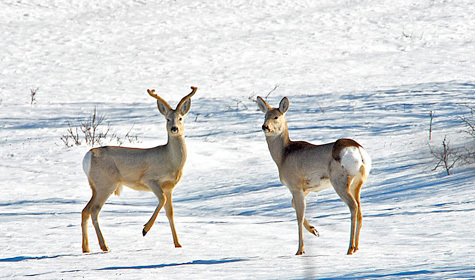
(305, 168)
(158, 169)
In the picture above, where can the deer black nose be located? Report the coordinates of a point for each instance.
(174, 129)
(265, 127)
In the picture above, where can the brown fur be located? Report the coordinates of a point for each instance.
(305, 168)
(296, 146)
(340, 144)
(157, 169)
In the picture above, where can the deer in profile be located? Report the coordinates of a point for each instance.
(157, 169)
(304, 168)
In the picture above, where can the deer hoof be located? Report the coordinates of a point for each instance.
(351, 250)
(314, 231)
(300, 252)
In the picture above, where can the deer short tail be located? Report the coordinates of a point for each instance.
(366, 161)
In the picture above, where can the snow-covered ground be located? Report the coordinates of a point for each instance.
(368, 70)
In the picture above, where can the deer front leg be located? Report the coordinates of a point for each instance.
(100, 237)
(155, 187)
(299, 201)
(307, 225)
(169, 211)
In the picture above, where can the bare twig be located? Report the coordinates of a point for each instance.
(93, 132)
(321, 108)
(252, 97)
(275, 87)
(131, 138)
(447, 157)
(430, 125)
(469, 121)
(73, 134)
(33, 94)
(90, 127)
(238, 102)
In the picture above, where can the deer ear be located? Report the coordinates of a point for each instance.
(163, 107)
(284, 105)
(185, 103)
(185, 107)
(263, 106)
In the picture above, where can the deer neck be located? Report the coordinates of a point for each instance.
(176, 149)
(277, 144)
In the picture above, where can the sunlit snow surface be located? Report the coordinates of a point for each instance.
(363, 70)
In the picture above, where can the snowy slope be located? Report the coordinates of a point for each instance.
(364, 70)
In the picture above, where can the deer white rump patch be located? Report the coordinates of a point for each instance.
(351, 159)
(366, 161)
(86, 163)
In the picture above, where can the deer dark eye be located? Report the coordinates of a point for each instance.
(275, 118)
(181, 119)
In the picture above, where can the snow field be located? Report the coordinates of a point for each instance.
(367, 71)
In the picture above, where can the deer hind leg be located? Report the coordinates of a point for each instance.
(86, 213)
(356, 191)
(92, 209)
(169, 211)
(342, 188)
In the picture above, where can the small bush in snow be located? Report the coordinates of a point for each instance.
(447, 157)
(469, 121)
(33, 92)
(94, 132)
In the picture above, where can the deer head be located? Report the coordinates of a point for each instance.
(275, 122)
(175, 117)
